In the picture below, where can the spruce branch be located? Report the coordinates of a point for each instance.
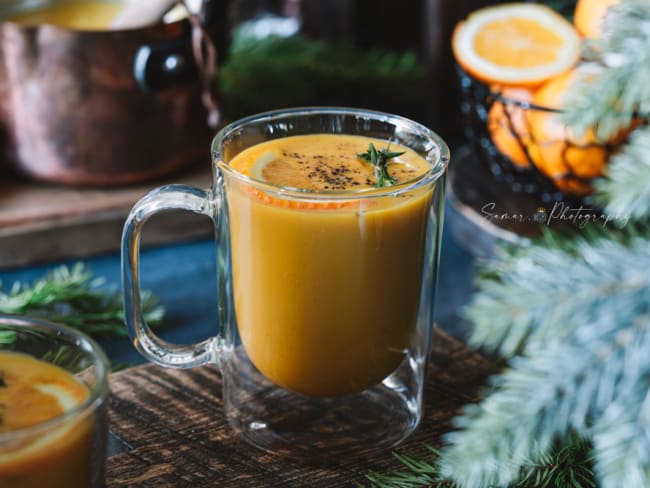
(569, 465)
(612, 85)
(580, 335)
(573, 279)
(572, 317)
(612, 95)
(625, 192)
(72, 296)
(621, 435)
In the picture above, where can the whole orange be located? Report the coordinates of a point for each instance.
(588, 16)
(507, 123)
(569, 159)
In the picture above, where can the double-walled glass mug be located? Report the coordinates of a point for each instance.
(325, 297)
(54, 391)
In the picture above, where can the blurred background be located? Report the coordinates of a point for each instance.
(101, 100)
(77, 76)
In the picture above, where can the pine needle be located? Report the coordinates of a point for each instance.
(572, 315)
(625, 192)
(419, 472)
(612, 95)
(612, 87)
(565, 466)
(73, 297)
(575, 323)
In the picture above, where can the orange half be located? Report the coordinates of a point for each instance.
(521, 44)
(34, 392)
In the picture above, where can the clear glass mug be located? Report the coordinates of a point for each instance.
(69, 450)
(325, 299)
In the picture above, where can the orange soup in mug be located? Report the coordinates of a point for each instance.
(327, 228)
(326, 294)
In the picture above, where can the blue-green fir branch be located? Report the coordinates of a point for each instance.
(531, 298)
(573, 317)
(621, 434)
(625, 192)
(612, 96)
(581, 340)
(612, 85)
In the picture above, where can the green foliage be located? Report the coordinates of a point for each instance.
(379, 159)
(611, 94)
(277, 72)
(626, 190)
(612, 88)
(528, 297)
(565, 466)
(576, 325)
(72, 296)
(420, 473)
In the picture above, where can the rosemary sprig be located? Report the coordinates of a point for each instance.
(379, 159)
(73, 297)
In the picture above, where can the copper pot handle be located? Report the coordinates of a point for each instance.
(168, 63)
(164, 64)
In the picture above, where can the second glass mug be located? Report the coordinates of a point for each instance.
(325, 299)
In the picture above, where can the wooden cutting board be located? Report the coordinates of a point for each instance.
(40, 222)
(173, 433)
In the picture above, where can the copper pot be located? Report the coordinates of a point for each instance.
(99, 107)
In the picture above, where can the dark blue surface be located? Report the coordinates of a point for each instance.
(183, 277)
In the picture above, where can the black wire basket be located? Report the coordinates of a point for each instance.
(523, 175)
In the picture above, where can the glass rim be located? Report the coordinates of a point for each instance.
(438, 167)
(98, 392)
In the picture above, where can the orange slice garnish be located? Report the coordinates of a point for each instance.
(35, 392)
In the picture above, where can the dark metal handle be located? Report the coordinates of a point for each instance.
(190, 57)
(165, 64)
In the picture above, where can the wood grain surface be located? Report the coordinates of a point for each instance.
(41, 222)
(174, 425)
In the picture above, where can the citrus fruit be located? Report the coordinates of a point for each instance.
(34, 392)
(42, 447)
(507, 123)
(588, 16)
(567, 158)
(521, 44)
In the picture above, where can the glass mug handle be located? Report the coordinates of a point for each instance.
(156, 350)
